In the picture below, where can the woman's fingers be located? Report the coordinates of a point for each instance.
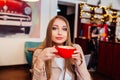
(50, 53)
(76, 51)
(77, 57)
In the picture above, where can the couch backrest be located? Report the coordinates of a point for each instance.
(29, 54)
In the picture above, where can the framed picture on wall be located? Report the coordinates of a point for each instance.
(19, 19)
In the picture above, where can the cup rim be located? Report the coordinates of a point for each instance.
(65, 47)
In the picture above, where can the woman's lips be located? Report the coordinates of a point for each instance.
(59, 38)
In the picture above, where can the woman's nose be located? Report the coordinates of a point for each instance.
(59, 31)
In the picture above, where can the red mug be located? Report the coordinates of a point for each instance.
(65, 51)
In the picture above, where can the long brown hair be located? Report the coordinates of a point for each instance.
(49, 43)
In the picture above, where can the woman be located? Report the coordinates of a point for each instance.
(49, 66)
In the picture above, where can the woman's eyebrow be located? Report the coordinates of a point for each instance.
(65, 26)
(55, 25)
(61, 26)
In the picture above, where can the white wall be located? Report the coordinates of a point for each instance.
(48, 10)
(107, 3)
(12, 49)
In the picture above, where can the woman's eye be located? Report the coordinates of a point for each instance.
(65, 29)
(54, 28)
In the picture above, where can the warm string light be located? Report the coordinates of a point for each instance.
(112, 14)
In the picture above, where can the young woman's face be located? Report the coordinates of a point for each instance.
(59, 32)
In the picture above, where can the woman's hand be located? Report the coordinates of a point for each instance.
(77, 56)
(47, 53)
(43, 55)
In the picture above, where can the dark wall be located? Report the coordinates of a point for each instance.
(70, 18)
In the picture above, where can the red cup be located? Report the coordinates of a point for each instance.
(65, 51)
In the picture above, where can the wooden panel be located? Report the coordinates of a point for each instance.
(83, 43)
(116, 63)
(105, 58)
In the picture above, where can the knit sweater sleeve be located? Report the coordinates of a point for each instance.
(81, 70)
(39, 73)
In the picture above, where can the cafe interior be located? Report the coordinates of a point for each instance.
(16, 52)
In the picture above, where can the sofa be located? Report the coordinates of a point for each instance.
(29, 48)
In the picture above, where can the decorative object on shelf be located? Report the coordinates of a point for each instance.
(85, 14)
(98, 10)
(98, 16)
(110, 6)
(85, 20)
(85, 7)
(99, 2)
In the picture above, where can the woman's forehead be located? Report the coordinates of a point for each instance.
(59, 22)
